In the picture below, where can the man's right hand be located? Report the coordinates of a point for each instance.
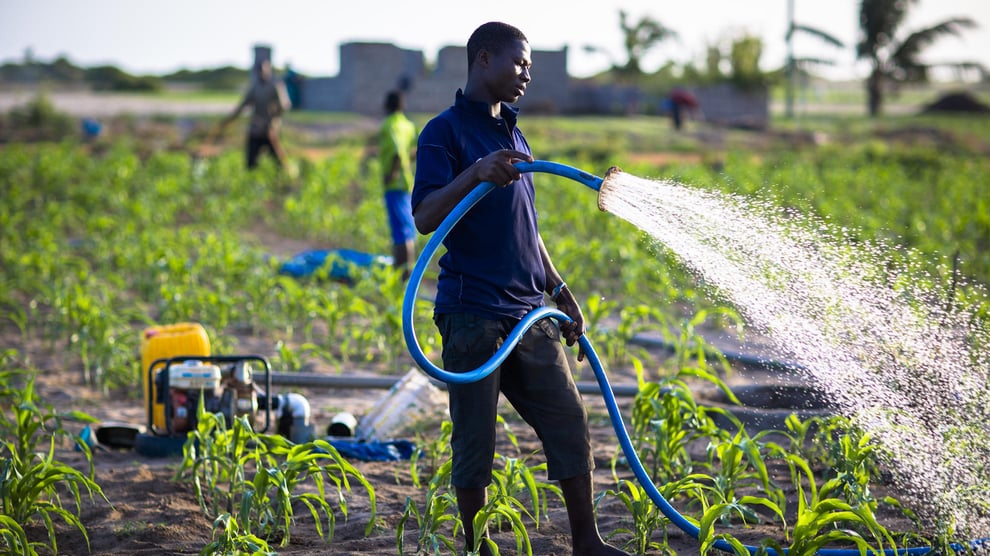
(499, 167)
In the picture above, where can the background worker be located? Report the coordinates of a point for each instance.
(270, 100)
(680, 103)
(495, 271)
(396, 145)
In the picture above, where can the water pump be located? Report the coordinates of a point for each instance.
(230, 391)
(225, 385)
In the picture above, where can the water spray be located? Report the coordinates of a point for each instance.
(412, 343)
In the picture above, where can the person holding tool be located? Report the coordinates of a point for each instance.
(495, 271)
(270, 100)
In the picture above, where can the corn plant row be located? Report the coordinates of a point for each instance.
(254, 481)
(739, 482)
(34, 484)
(97, 248)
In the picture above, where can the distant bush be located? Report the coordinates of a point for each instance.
(218, 79)
(61, 71)
(112, 78)
(37, 120)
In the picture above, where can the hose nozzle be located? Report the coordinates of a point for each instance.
(607, 183)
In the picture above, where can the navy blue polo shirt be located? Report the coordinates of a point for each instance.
(492, 267)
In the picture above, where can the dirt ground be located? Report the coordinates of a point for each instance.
(151, 513)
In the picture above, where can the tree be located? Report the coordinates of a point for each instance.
(742, 56)
(713, 62)
(744, 59)
(639, 38)
(896, 60)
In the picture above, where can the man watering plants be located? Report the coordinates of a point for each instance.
(270, 100)
(495, 271)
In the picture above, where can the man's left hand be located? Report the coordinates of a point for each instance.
(573, 330)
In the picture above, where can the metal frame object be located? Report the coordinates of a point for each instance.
(169, 361)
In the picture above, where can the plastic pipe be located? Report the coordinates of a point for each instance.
(294, 404)
(733, 356)
(318, 380)
(412, 343)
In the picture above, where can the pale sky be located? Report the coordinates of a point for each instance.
(154, 36)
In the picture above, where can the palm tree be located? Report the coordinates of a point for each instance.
(896, 60)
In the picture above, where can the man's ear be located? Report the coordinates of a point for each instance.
(482, 58)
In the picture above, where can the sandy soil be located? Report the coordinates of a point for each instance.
(151, 513)
(98, 105)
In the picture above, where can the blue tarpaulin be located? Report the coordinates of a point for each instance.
(342, 263)
(391, 450)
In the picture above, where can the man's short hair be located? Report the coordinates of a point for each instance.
(493, 37)
(393, 101)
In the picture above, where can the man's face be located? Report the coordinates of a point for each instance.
(265, 71)
(508, 71)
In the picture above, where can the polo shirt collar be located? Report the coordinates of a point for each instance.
(509, 113)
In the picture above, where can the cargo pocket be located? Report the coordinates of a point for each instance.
(468, 340)
(549, 327)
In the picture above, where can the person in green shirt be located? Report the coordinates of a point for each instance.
(397, 138)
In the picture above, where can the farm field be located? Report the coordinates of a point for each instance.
(156, 222)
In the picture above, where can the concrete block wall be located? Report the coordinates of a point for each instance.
(434, 91)
(726, 105)
(262, 53)
(549, 92)
(369, 70)
(326, 94)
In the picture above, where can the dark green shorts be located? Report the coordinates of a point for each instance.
(535, 379)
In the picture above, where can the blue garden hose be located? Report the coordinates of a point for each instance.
(412, 343)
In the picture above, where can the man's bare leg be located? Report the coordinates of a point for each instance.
(585, 538)
(469, 502)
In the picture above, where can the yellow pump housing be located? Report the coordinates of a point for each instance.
(163, 342)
